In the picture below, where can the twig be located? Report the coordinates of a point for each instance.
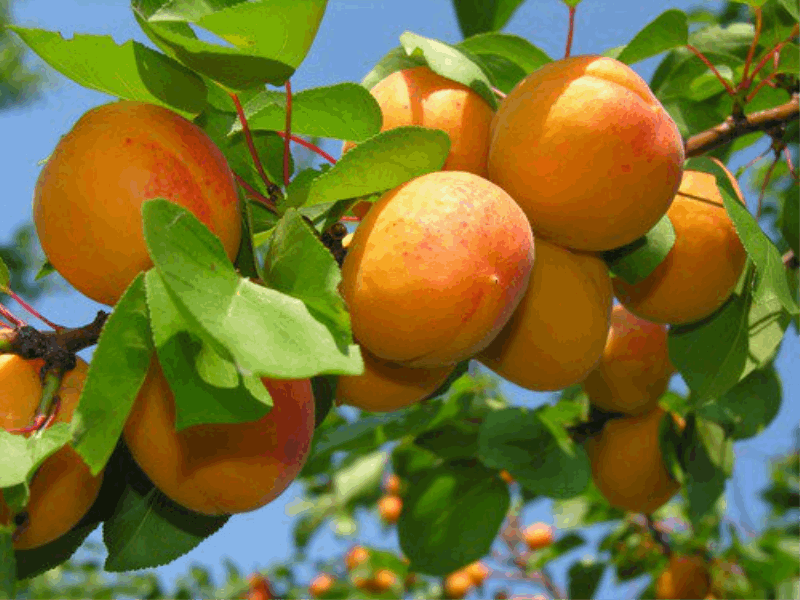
(254, 193)
(11, 317)
(288, 136)
(309, 146)
(713, 69)
(248, 136)
(571, 31)
(32, 311)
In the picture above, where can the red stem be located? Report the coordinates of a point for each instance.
(749, 61)
(249, 139)
(775, 50)
(767, 81)
(309, 146)
(498, 93)
(33, 311)
(11, 318)
(287, 139)
(350, 219)
(571, 31)
(702, 57)
(788, 156)
(40, 421)
(255, 193)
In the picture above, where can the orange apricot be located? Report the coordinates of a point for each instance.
(87, 201)
(355, 556)
(382, 581)
(538, 536)
(63, 489)
(389, 508)
(701, 270)
(634, 370)
(436, 269)
(457, 584)
(321, 585)
(419, 96)
(392, 485)
(385, 386)
(558, 332)
(219, 469)
(259, 588)
(506, 476)
(685, 577)
(628, 465)
(478, 572)
(587, 151)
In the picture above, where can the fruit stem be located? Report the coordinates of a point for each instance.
(658, 535)
(248, 136)
(774, 52)
(32, 311)
(763, 191)
(498, 93)
(570, 31)
(309, 146)
(745, 84)
(11, 318)
(701, 56)
(288, 137)
(255, 194)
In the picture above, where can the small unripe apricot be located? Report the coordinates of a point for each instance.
(457, 584)
(88, 198)
(221, 468)
(686, 577)
(389, 508)
(634, 370)
(436, 269)
(321, 584)
(385, 386)
(538, 536)
(628, 465)
(587, 151)
(355, 556)
(557, 334)
(63, 489)
(701, 270)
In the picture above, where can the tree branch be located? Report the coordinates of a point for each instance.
(733, 128)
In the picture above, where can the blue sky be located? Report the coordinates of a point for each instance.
(353, 36)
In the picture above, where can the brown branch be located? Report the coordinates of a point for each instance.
(30, 343)
(732, 128)
(790, 260)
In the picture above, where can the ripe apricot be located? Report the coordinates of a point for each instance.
(457, 584)
(63, 489)
(634, 370)
(436, 268)
(355, 556)
(221, 468)
(389, 508)
(538, 536)
(506, 476)
(259, 588)
(87, 201)
(382, 581)
(557, 333)
(392, 485)
(321, 585)
(478, 572)
(587, 151)
(385, 386)
(628, 465)
(685, 577)
(701, 270)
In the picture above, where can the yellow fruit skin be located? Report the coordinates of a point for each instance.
(63, 489)
(436, 269)
(634, 370)
(686, 577)
(87, 201)
(221, 468)
(557, 334)
(457, 584)
(538, 536)
(385, 386)
(701, 270)
(587, 151)
(628, 466)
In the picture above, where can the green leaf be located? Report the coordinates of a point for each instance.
(381, 163)
(317, 284)
(363, 475)
(8, 566)
(511, 47)
(20, 456)
(395, 60)
(667, 31)
(790, 220)
(707, 461)
(207, 388)
(345, 111)
(448, 61)
(5, 276)
(131, 71)
(454, 439)
(38, 560)
(584, 578)
(535, 450)
(431, 529)
(792, 8)
(281, 30)
(635, 261)
(479, 16)
(264, 332)
(118, 368)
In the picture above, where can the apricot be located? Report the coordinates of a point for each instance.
(587, 151)
(436, 269)
(385, 386)
(382, 581)
(219, 469)
(701, 270)
(392, 485)
(457, 584)
(634, 370)
(355, 556)
(389, 508)
(87, 201)
(321, 585)
(478, 572)
(538, 536)
(63, 489)
(685, 577)
(506, 476)
(259, 588)
(628, 465)
(558, 332)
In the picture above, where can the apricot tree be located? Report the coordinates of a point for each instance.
(251, 296)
